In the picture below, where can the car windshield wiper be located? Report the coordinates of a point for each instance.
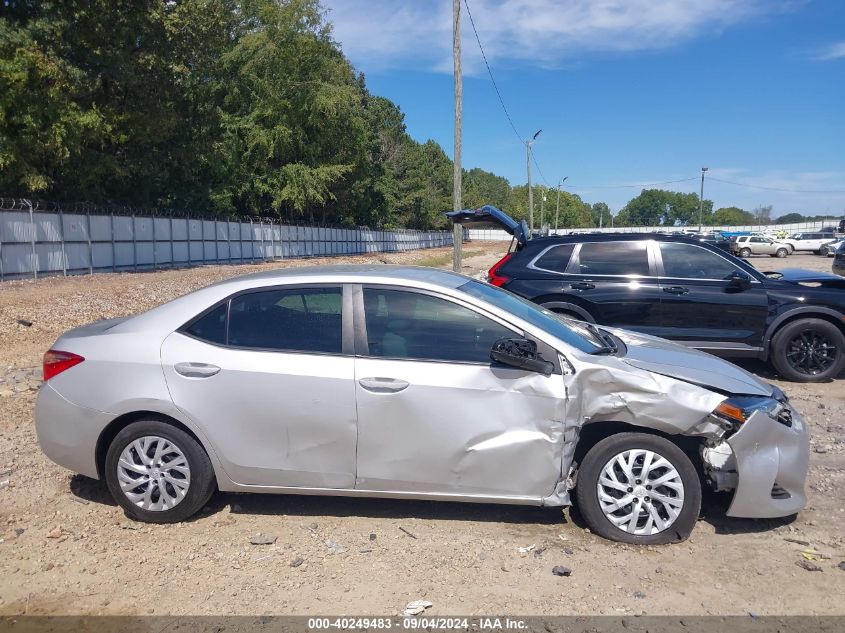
(608, 346)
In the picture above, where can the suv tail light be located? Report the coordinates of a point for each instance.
(493, 276)
(55, 362)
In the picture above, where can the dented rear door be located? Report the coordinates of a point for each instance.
(436, 417)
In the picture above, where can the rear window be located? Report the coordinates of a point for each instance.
(211, 327)
(556, 258)
(614, 258)
(295, 319)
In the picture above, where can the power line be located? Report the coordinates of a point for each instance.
(745, 184)
(637, 186)
(490, 72)
(537, 165)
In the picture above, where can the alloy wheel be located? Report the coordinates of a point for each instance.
(811, 352)
(640, 492)
(153, 473)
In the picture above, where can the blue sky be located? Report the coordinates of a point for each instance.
(626, 91)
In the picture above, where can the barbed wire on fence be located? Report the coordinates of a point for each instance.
(92, 208)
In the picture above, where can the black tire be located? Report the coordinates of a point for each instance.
(744, 252)
(202, 479)
(823, 251)
(587, 495)
(781, 253)
(787, 353)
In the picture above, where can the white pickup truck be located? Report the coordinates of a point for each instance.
(809, 241)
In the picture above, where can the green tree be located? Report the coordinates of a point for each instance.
(653, 207)
(732, 216)
(791, 218)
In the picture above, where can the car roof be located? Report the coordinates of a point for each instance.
(349, 273)
(617, 237)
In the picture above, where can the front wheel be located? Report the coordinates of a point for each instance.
(809, 350)
(638, 488)
(781, 253)
(158, 473)
(745, 252)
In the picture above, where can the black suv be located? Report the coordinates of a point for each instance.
(679, 288)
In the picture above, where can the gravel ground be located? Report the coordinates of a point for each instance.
(66, 548)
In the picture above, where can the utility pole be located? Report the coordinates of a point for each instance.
(528, 144)
(457, 229)
(701, 200)
(557, 211)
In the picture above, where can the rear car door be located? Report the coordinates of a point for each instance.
(702, 307)
(615, 282)
(269, 377)
(435, 416)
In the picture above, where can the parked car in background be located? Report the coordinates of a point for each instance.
(680, 289)
(747, 245)
(830, 248)
(812, 242)
(403, 382)
(839, 260)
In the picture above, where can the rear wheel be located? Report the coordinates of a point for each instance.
(745, 252)
(638, 488)
(809, 350)
(158, 473)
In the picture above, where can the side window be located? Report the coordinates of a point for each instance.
(686, 261)
(402, 324)
(614, 258)
(211, 327)
(291, 319)
(556, 258)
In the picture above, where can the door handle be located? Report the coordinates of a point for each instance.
(383, 385)
(582, 285)
(196, 370)
(676, 290)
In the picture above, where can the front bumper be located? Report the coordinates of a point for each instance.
(771, 463)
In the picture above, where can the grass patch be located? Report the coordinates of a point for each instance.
(435, 261)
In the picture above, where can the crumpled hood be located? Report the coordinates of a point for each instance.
(678, 361)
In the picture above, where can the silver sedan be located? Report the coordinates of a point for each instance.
(412, 383)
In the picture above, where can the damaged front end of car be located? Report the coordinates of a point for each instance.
(762, 457)
(749, 438)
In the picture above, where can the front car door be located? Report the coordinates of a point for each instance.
(435, 416)
(702, 307)
(268, 375)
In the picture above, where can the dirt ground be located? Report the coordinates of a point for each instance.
(66, 548)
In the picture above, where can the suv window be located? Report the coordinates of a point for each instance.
(614, 258)
(292, 319)
(403, 324)
(686, 261)
(556, 258)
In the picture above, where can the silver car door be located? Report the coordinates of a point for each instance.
(276, 395)
(434, 416)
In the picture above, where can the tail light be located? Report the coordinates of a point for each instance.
(493, 276)
(55, 362)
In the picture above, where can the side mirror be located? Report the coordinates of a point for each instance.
(739, 280)
(522, 354)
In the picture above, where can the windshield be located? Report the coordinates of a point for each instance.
(580, 338)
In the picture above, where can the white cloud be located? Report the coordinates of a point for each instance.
(381, 34)
(834, 51)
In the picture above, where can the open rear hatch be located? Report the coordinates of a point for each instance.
(491, 216)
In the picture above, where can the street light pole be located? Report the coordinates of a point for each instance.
(557, 210)
(542, 207)
(528, 144)
(701, 200)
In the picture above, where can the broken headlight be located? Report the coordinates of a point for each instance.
(736, 410)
